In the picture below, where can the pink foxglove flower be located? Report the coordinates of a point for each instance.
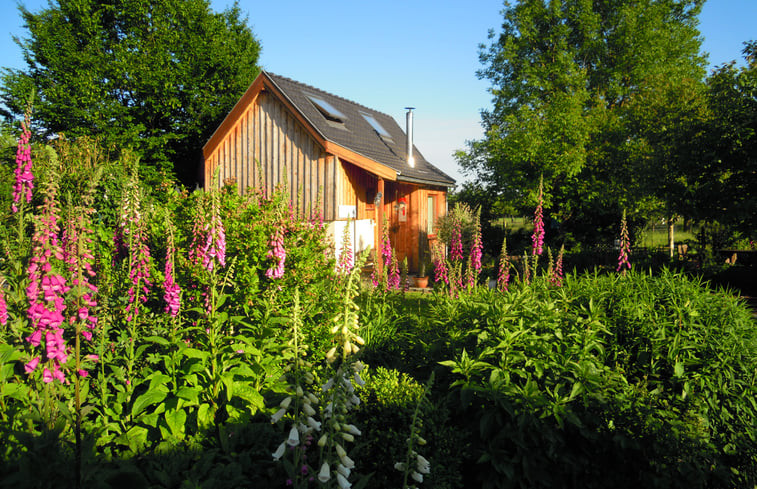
(47, 289)
(80, 259)
(503, 274)
(277, 253)
(557, 271)
(346, 260)
(625, 246)
(22, 188)
(135, 238)
(537, 239)
(456, 242)
(3, 308)
(474, 260)
(394, 279)
(215, 239)
(440, 264)
(171, 289)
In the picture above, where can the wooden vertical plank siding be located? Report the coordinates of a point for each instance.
(268, 135)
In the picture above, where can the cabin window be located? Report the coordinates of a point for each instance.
(431, 215)
(328, 111)
(376, 126)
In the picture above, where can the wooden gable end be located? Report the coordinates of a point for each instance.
(267, 147)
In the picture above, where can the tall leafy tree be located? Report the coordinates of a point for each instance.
(723, 170)
(573, 83)
(157, 77)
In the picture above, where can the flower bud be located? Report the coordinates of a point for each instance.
(286, 402)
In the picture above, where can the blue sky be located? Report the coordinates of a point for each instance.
(397, 53)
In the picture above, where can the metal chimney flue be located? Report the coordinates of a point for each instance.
(409, 117)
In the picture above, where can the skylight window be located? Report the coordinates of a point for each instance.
(329, 111)
(375, 125)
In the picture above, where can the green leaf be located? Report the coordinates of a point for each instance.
(148, 398)
(190, 394)
(253, 397)
(176, 421)
(678, 369)
(158, 339)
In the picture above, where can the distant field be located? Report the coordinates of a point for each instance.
(652, 236)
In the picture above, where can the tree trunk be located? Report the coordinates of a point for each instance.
(671, 236)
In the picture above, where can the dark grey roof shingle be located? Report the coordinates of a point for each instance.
(357, 134)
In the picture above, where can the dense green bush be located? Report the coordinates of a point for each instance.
(610, 381)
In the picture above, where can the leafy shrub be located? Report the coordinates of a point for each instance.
(610, 381)
(389, 399)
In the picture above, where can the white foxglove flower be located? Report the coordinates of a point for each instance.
(279, 451)
(340, 451)
(309, 377)
(343, 470)
(400, 466)
(359, 340)
(359, 380)
(423, 466)
(322, 441)
(358, 366)
(347, 462)
(325, 473)
(308, 409)
(351, 428)
(328, 385)
(348, 437)
(342, 481)
(286, 402)
(316, 425)
(331, 355)
(278, 415)
(294, 437)
(312, 398)
(300, 392)
(416, 476)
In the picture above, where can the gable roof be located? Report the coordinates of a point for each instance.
(358, 129)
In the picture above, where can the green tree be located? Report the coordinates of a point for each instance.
(724, 169)
(574, 86)
(157, 77)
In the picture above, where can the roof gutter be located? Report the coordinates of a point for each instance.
(402, 178)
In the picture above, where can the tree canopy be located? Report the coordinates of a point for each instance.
(156, 77)
(578, 88)
(724, 176)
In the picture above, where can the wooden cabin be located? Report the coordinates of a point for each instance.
(318, 144)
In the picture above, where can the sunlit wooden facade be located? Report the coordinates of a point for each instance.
(275, 136)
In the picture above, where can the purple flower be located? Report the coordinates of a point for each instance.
(537, 239)
(3, 309)
(277, 253)
(47, 289)
(170, 287)
(22, 188)
(456, 242)
(624, 246)
(557, 271)
(503, 274)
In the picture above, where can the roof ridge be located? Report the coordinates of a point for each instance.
(311, 87)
